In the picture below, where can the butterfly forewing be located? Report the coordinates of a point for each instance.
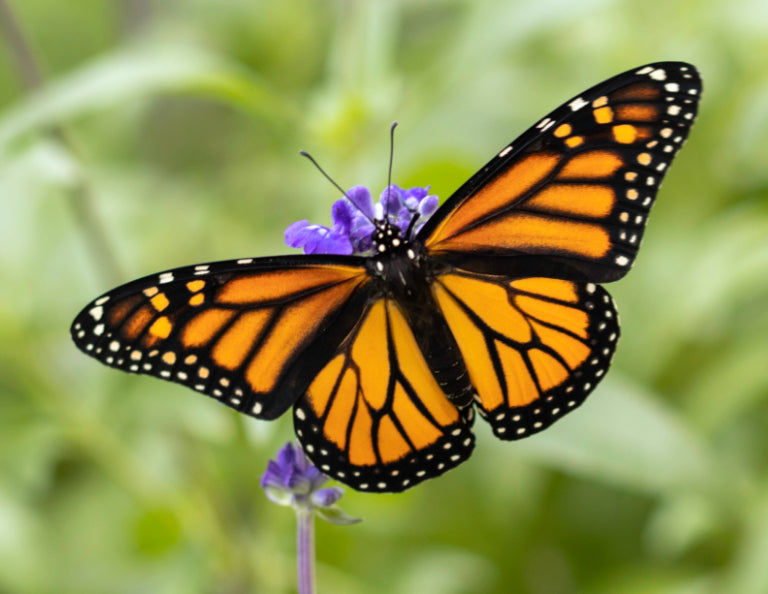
(570, 197)
(251, 333)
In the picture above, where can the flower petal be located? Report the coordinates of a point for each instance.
(361, 238)
(416, 192)
(295, 233)
(428, 206)
(343, 215)
(286, 457)
(333, 243)
(278, 495)
(360, 196)
(390, 199)
(326, 497)
(308, 237)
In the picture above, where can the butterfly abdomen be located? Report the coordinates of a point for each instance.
(444, 359)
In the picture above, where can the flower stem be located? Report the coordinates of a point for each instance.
(305, 550)
(19, 51)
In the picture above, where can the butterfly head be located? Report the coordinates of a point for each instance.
(361, 227)
(387, 238)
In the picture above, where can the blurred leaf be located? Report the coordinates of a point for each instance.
(749, 572)
(156, 531)
(639, 580)
(727, 268)
(141, 71)
(679, 523)
(738, 383)
(690, 287)
(623, 436)
(448, 571)
(21, 565)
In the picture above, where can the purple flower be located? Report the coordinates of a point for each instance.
(401, 206)
(353, 218)
(317, 239)
(291, 479)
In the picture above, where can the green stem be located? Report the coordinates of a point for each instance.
(20, 51)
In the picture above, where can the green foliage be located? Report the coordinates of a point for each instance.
(167, 134)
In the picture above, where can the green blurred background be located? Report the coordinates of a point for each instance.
(166, 133)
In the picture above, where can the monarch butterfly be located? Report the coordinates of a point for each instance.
(493, 304)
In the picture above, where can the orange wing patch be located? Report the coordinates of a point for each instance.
(586, 200)
(375, 415)
(533, 234)
(532, 354)
(591, 165)
(496, 196)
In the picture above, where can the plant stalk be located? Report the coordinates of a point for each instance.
(305, 550)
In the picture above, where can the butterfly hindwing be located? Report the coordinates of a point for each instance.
(375, 417)
(251, 333)
(570, 197)
(534, 347)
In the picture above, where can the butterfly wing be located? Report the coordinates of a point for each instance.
(570, 198)
(375, 417)
(518, 248)
(534, 347)
(251, 333)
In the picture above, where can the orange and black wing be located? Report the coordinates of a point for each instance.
(252, 333)
(534, 347)
(570, 198)
(375, 417)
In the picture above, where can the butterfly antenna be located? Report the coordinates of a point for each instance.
(391, 159)
(304, 153)
(321, 170)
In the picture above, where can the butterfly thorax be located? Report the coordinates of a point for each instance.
(396, 264)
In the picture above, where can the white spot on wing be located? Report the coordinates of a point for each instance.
(577, 104)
